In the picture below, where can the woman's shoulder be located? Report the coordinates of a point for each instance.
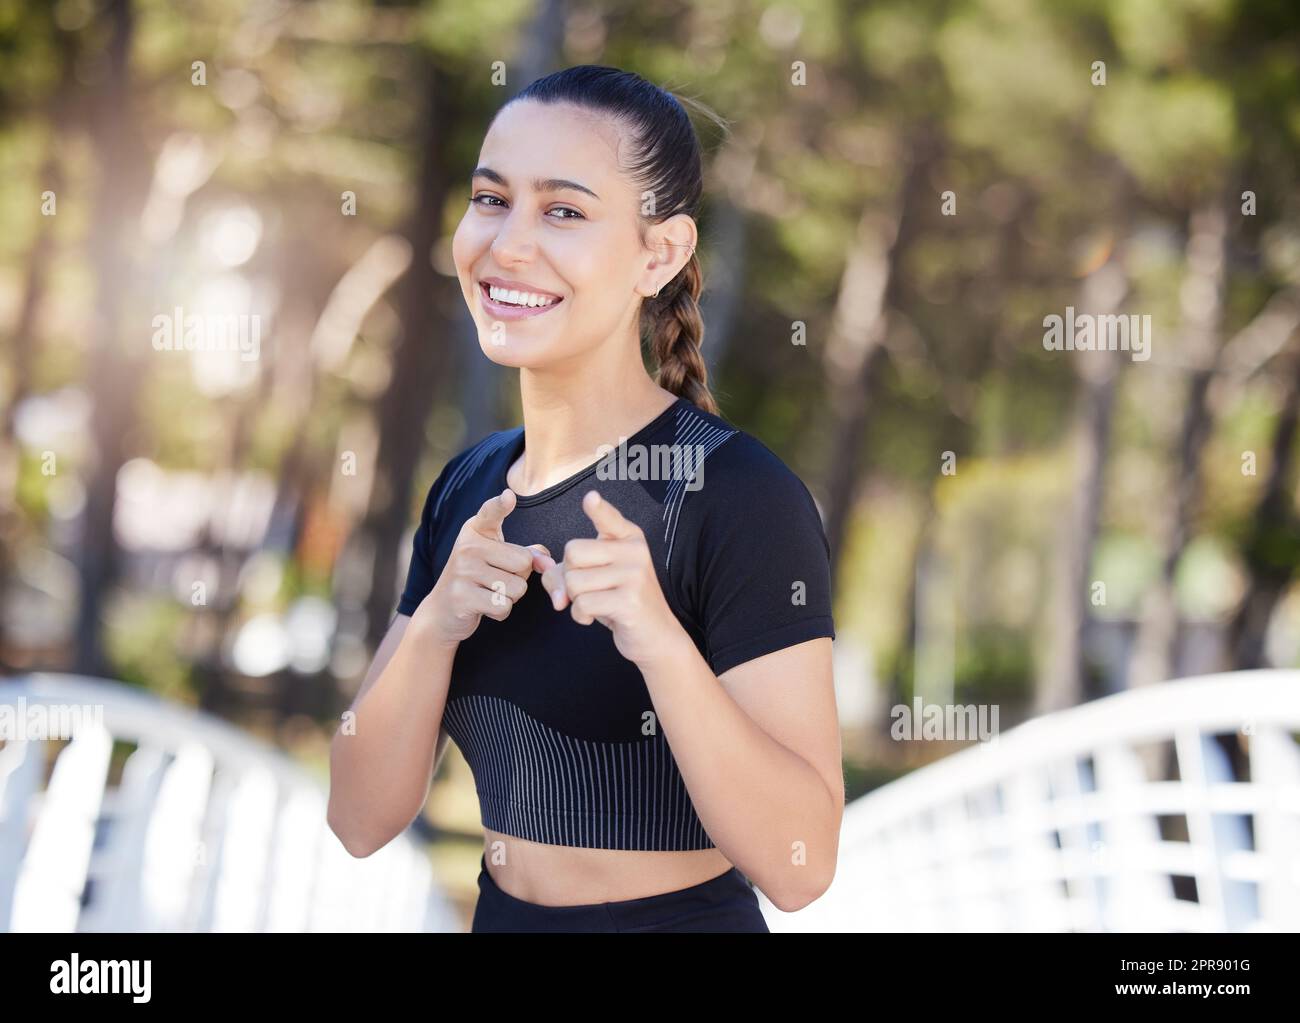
(479, 451)
(733, 453)
(738, 476)
(748, 556)
(475, 457)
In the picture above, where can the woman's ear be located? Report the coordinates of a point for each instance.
(671, 244)
(681, 236)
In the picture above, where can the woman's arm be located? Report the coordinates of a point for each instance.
(383, 757)
(759, 751)
(384, 754)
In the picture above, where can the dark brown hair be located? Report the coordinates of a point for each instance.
(666, 162)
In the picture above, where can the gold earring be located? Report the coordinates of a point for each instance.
(657, 290)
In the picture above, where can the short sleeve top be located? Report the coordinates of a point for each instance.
(557, 726)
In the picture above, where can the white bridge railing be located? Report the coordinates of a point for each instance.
(1056, 825)
(208, 830)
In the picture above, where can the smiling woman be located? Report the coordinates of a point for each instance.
(638, 675)
(592, 178)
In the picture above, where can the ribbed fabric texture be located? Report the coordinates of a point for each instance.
(540, 784)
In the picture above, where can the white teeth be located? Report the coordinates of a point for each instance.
(520, 298)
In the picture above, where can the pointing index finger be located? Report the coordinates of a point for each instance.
(487, 520)
(609, 521)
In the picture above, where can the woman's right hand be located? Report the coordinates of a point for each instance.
(484, 575)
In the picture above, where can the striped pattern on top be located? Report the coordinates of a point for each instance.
(543, 785)
(473, 459)
(692, 429)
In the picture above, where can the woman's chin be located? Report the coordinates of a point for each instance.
(514, 352)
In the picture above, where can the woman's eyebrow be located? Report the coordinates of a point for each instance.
(539, 184)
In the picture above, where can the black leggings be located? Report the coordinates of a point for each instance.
(725, 903)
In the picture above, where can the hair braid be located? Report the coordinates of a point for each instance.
(676, 336)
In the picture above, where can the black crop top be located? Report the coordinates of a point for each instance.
(557, 726)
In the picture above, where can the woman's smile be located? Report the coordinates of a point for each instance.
(514, 304)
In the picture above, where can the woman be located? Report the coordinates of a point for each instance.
(620, 610)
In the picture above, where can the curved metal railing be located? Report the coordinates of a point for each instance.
(1173, 807)
(209, 829)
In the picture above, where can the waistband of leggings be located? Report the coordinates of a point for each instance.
(729, 880)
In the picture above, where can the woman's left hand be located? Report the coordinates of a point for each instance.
(611, 579)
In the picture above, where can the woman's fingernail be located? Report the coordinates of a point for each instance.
(557, 598)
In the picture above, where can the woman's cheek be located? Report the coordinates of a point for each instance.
(461, 254)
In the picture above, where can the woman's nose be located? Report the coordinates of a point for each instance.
(514, 238)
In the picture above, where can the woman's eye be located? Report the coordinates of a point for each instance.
(482, 199)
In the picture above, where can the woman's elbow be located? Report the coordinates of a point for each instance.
(359, 832)
(806, 880)
(349, 836)
(805, 889)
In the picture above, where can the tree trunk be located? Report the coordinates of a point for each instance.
(724, 287)
(867, 289)
(1272, 546)
(1061, 680)
(26, 345)
(1155, 655)
(404, 408)
(115, 372)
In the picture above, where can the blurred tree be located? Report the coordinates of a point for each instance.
(59, 115)
(116, 367)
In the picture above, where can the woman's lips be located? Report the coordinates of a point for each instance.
(501, 311)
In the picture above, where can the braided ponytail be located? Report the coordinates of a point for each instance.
(677, 334)
(665, 162)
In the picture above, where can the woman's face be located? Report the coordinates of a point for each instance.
(572, 241)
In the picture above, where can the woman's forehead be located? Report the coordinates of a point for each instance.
(529, 140)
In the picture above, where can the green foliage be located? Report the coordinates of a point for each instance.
(991, 666)
(141, 637)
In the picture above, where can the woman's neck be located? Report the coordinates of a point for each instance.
(567, 421)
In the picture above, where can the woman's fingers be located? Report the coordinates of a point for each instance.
(590, 553)
(589, 566)
(565, 584)
(508, 556)
(592, 606)
(493, 602)
(487, 520)
(495, 580)
(553, 583)
(608, 520)
(585, 580)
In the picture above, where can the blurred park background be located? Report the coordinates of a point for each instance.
(908, 189)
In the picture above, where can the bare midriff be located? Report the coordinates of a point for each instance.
(563, 875)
